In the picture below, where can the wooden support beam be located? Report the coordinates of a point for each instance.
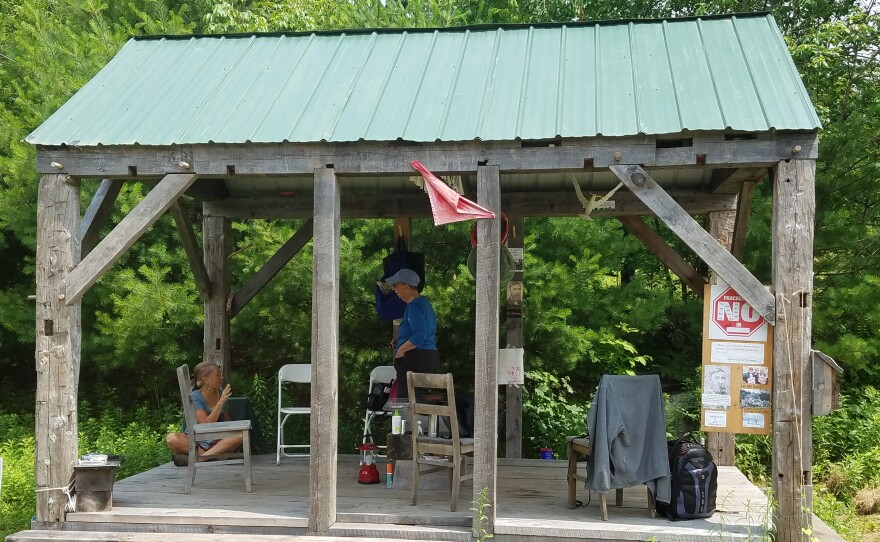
(444, 158)
(129, 230)
(98, 213)
(743, 215)
(325, 353)
(513, 394)
(192, 249)
(217, 239)
(486, 349)
(414, 205)
(707, 248)
(672, 259)
(58, 336)
(793, 219)
(271, 268)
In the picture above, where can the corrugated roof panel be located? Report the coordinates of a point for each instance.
(237, 100)
(739, 102)
(432, 94)
(356, 115)
(537, 119)
(500, 113)
(466, 98)
(694, 88)
(775, 77)
(656, 101)
(334, 90)
(577, 110)
(613, 78)
(617, 113)
(396, 104)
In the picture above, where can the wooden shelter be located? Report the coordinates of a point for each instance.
(687, 113)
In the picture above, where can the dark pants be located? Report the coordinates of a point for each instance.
(417, 361)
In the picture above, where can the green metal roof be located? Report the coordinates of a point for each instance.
(545, 81)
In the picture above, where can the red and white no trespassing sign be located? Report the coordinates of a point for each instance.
(732, 319)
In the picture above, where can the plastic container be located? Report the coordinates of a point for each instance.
(389, 474)
(547, 454)
(396, 423)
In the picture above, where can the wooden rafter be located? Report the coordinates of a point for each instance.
(672, 259)
(271, 268)
(191, 247)
(98, 213)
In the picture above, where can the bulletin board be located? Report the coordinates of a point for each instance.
(736, 392)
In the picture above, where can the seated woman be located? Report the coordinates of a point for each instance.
(210, 406)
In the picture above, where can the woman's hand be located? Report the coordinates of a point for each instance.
(226, 394)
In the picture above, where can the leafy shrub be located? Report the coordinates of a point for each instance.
(18, 501)
(550, 413)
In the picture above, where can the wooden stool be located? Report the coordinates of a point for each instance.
(579, 450)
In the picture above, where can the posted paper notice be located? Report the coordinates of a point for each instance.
(736, 352)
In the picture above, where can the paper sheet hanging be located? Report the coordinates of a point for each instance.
(510, 367)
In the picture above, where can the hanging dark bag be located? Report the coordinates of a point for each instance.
(378, 395)
(388, 305)
(694, 481)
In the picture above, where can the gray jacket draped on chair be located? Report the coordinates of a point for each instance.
(627, 429)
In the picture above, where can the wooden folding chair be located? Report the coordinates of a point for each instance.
(210, 431)
(437, 453)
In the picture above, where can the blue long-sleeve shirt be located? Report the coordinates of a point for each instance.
(419, 325)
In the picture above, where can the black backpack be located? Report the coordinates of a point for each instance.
(694, 481)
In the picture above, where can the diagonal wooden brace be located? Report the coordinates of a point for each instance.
(704, 245)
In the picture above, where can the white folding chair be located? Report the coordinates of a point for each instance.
(298, 373)
(384, 374)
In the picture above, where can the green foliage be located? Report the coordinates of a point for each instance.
(480, 507)
(753, 457)
(17, 499)
(551, 411)
(837, 515)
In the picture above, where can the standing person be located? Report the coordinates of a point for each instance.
(209, 401)
(416, 346)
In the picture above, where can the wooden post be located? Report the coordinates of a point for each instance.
(59, 329)
(217, 243)
(513, 395)
(486, 351)
(325, 353)
(793, 216)
(722, 446)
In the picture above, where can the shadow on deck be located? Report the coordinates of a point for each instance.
(532, 505)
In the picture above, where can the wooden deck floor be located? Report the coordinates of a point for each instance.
(532, 505)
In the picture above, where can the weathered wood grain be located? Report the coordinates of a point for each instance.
(217, 246)
(98, 213)
(793, 218)
(325, 353)
(707, 248)
(271, 268)
(129, 230)
(486, 347)
(58, 337)
(532, 496)
(191, 247)
(444, 157)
